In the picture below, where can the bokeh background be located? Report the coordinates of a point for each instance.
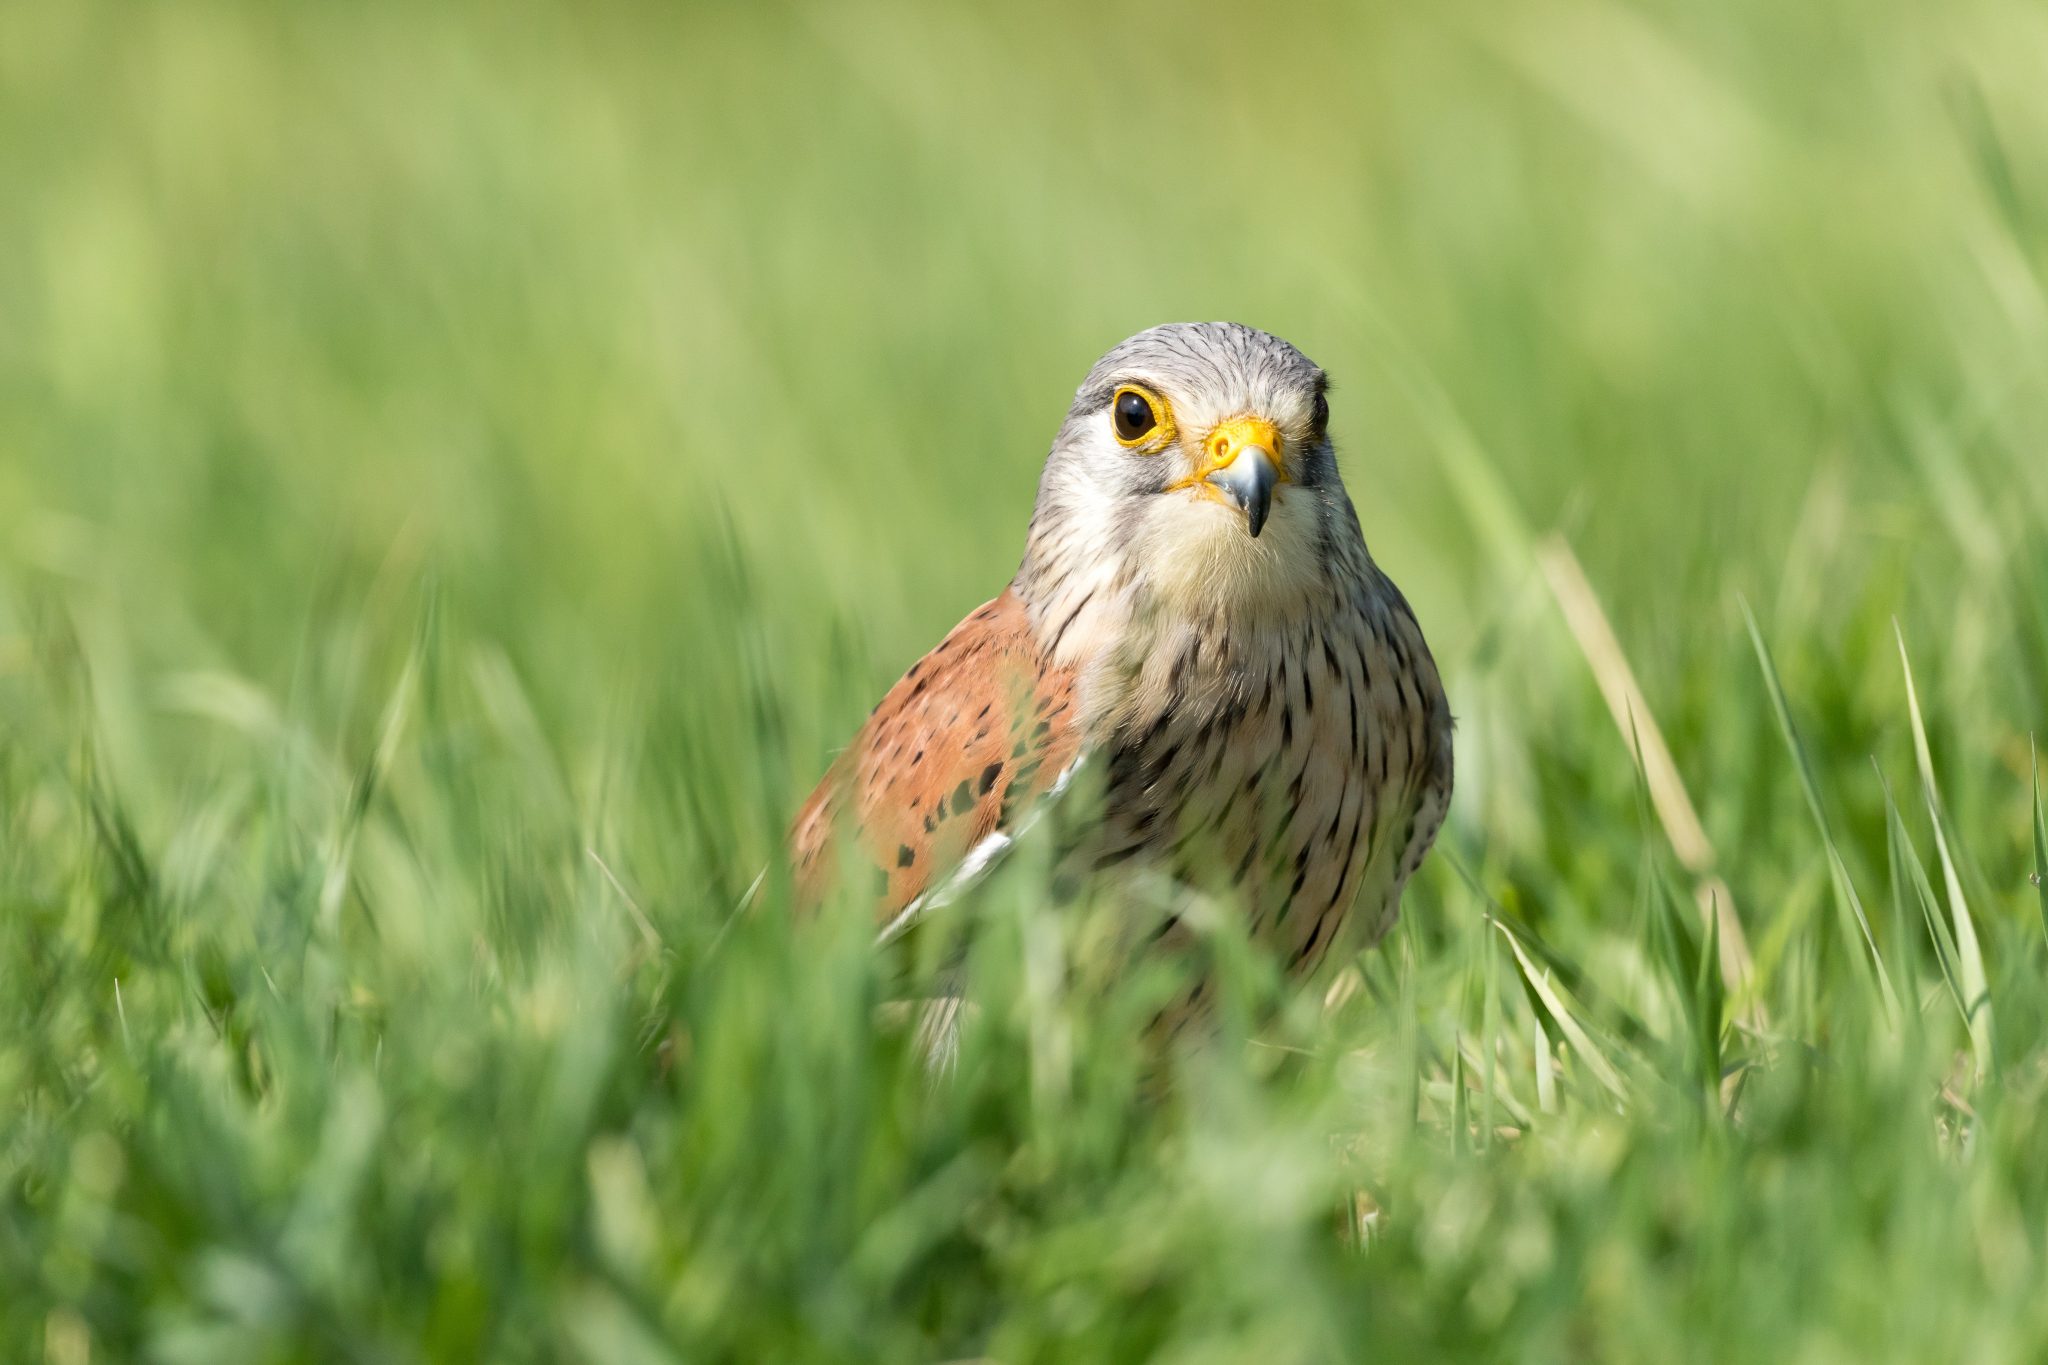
(463, 468)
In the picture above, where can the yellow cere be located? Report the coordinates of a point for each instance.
(1227, 439)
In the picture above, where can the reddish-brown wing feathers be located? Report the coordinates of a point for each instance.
(977, 730)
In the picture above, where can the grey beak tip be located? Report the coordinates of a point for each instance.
(1249, 480)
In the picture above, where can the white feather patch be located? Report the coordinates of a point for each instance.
(978, 861)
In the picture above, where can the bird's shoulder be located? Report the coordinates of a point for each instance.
(965, 741)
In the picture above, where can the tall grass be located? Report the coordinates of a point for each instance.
(463, 468)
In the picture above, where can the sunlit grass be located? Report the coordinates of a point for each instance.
(462, 472)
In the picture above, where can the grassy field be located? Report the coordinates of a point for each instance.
(462, 469)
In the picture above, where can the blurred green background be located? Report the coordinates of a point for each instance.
(464, 468)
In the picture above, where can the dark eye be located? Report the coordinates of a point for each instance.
(1320, 415)
(1134, 415)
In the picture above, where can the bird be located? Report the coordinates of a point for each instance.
(1198, 621)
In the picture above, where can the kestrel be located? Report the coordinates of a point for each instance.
(1197, 614)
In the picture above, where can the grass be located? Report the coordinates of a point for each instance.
(462, 470)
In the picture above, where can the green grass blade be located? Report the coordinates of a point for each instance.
(1574, 1032)
(1625, 1023)
(1461, 1113)
(2040, 846)
(1710, 999)
(1545, 1066)
(1847, 903)
(1910, 874)
(1489, 1033)
(1656, 911)
(1898, 883)
(1975, 984)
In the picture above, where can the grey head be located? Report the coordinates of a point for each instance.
(1195, 453)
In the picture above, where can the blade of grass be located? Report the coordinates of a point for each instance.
(1671, 943)
(1896, 845)
(1909, 871)
(1516, 1113)
(2040, 845)
(1575, 1034)
(1489, 1031)
(1975, 983)
(1658, 771)
(1710, 1001)
(1461, 1116)
(1489, 1034)
(369, 774)
(1847, 903)
(1627, 1026)
(1546, 1067)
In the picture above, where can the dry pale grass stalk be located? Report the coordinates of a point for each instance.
(1631, 711)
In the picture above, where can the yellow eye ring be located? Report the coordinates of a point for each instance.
(1140, 419)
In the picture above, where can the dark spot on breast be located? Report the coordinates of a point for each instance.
(1166, 926)
(1244, 864)
(1357, 832)
(1111, 857)
(961, 796)
(1059, 634)
(917, 758)
(989, 776)
(1314, 935)
(904, 857)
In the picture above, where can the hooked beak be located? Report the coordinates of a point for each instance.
(1241, 462)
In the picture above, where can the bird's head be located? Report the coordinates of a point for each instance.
(1196, 461)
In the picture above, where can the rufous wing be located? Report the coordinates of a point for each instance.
(958, 750)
